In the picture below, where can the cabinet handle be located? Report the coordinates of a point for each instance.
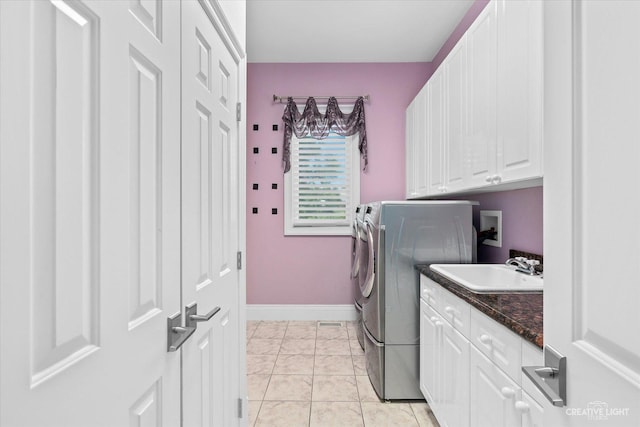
(485, 339)
(438, 323)
(434, 319)
(521, 406)
(489, 178)
(508, 392)
(496, 179)
(448, 309)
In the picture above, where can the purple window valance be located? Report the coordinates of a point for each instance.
(313, 123)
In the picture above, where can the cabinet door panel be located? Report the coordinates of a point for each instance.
(519, 152)
(409, 157)
(435, 133)
(481, 127)
(455, 378)
(429, 336)
(456, 117)
(420, 143)
(416, 146)
(533, 413)
(492, 394)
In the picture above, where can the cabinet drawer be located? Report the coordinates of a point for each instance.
(500, 345)
(429, 291)
(455, 311)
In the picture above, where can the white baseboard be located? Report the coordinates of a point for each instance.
(300, 312)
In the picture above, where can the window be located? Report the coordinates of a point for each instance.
(322, 189)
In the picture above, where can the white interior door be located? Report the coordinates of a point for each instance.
(592, 106)
(210, 219)
(89, 212)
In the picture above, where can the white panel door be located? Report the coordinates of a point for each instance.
(89, 212)
(210, 216)
(592, 106)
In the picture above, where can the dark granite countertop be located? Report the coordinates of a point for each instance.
(520, 312)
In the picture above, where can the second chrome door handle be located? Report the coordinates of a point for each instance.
(193, 317)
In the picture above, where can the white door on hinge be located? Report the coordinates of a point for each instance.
(210, 275)
(591, 205)
(89, 212)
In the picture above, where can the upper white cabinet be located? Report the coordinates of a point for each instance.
(416, 146)
(455, 74)
(481, 95)
(484, 104)
(519, 130)
(434, 162)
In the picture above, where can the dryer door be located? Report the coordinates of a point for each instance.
(367, 285)
(355, 250)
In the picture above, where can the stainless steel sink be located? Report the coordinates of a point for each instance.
(489, 278)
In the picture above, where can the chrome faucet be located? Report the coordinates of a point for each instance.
(524, 265)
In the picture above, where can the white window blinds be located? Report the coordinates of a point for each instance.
(324, 184)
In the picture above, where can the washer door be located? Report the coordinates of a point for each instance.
(367, 285)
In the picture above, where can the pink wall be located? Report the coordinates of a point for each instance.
(466, 21)
(315, 270)
(521, 222)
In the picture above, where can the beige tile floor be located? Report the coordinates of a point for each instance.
(305, 373)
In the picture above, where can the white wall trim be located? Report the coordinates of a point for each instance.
(301, 312)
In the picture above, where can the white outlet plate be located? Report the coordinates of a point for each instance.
(492, 219)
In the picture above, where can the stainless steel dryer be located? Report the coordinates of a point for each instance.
(404, 234)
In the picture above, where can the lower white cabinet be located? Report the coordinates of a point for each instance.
(493, 394)
(454, 369)
(531, 412)
(429, 352)
(470, 365)
(444, 368)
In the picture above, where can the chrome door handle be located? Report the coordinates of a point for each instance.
(546, 372)
(551, 379)
(177, 334)
(193, 317)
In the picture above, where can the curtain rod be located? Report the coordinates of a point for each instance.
(283, 99)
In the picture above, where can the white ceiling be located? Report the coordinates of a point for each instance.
(350, 30)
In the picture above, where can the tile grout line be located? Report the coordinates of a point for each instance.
(353, 351)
